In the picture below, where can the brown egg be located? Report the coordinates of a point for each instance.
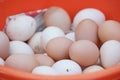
(109, 30)
(44, 60)
(84, 52)
(22, 62)
(4, 45)
(56, 16)
(87, 30)
(58, 48)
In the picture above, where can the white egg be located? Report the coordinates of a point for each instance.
(2, 62)
(21, 27)
(46, 70)
(93, 68)
(67, 67)
(110, 53)
(50, 33)
(91, 13)
(71, 36)
(36, 43)
(19, 47)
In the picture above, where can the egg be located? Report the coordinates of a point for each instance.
(19, 47)
(51, 33)
(109, 30)
(36, 43)
(2, 62)
(56, 16)
(87, 29)
(44, 70)
(110, 53)
(84, 52)
(58, 48)
(71, 36)
(22, 62)
(4, 45)
(44, 60)
(67, 67)
(21, 28)
(89, 13)
(93, 68)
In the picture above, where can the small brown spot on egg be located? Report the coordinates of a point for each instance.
(67, 70)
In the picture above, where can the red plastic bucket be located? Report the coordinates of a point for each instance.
(111, 8)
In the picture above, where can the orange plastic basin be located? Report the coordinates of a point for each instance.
(111, 8)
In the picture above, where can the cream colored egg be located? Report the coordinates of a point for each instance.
(36, 43)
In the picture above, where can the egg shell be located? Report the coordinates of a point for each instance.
(56, 16)
(67, 67)
(2, 62)
(87, 30)
(44, 70)
(110, 53)
(51, 33)
(19, 47)
(89, 13)
(109, 30)
(4, 45)
(44, 60)
(58, 48)
(36, 43)
(21, 28)
(22, 62)
(71, 36)
(93, 68)
(84, 52)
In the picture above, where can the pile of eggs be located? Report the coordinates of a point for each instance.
(89, 44)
